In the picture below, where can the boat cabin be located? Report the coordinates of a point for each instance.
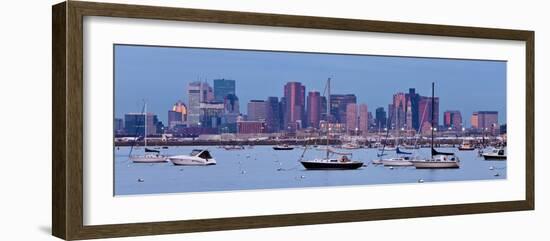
(204, 154)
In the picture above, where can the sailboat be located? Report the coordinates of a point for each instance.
(328, 163)
(437, 159)
(150, 155)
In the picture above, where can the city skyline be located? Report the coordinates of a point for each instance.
(136, 64)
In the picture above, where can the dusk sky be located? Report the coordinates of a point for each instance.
(160, 76)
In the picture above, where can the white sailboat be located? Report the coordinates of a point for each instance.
(149, 155)
(437, 159)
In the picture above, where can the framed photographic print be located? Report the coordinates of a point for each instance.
(171, 120)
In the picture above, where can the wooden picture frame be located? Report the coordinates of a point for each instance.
(67, 123)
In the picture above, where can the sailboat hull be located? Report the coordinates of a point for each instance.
(331, 166)
(435, 164)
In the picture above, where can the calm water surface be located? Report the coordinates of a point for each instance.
(263, 168)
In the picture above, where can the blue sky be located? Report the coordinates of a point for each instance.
(160, 76)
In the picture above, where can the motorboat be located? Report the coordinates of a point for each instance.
(495, 154)
(466, 146)
(197, 157)
(233, 147)
(341, 163)
(351, 146)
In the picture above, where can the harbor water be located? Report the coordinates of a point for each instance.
(261, 167)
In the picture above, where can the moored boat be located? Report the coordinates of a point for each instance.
(197, 157)
(284, 147)
(495, 154)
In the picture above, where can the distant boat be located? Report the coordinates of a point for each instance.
(403, 160)
(466, 146)
(233, 147)
(495, 154)
(197, 157)
(284, 147)
(150, 155)
(351, 146)
(437, 159)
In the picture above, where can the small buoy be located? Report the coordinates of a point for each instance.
(420, 180)
(141, 180)
(391, 168)
(243, 172)
(491, 168)
(302, 176)
(279, 169)
(497, 174)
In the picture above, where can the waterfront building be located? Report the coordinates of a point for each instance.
(211, 114)
(134, 124)
(223, 88)
(294, 93)
(257, 110)
(351, 118)
(338, 106)
(485, 121)
(452, 119)
(251, 127)
(425, 110)
(380, 118)
(197, 93)
(313, 109)
(334, 127)
(365, 118)
(273, 114)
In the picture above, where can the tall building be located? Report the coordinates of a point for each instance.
(452, 119)
(425, 111)
(222, 88)
(398, 116)
(338, 106)
(177, 115)
(351, 118)
(119, 125)
(231, 108)
(314, 109)
(364, 118)
(211, 114)
(197, 93)
(486, 121)
(257, 110)
(294, 93)
(380, 118)
(324, 108)
(412, 101)
(135, 124)
(273, 114)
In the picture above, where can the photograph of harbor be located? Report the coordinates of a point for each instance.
(203, 119)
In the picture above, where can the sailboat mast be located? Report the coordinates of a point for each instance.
(145, 124)
(432, 124)
(328, 115)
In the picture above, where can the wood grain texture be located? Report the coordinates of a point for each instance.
(67, 150)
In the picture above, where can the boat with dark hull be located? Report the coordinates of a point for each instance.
(284, 147)
(497, 154)
(331, 164)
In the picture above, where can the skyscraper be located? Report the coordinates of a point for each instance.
(364, 120)
(380, 118)
(197, 93)
(486, 121)
(338, 106)
(351, 117)
(425, 111)
(313, 109)
(211, 114)
(222, 88)
(273, 114)
(135, 124)
(452, 119)
(257, 110)
(399, 116)
(294, 93)
(177, 115)
(412, 101)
